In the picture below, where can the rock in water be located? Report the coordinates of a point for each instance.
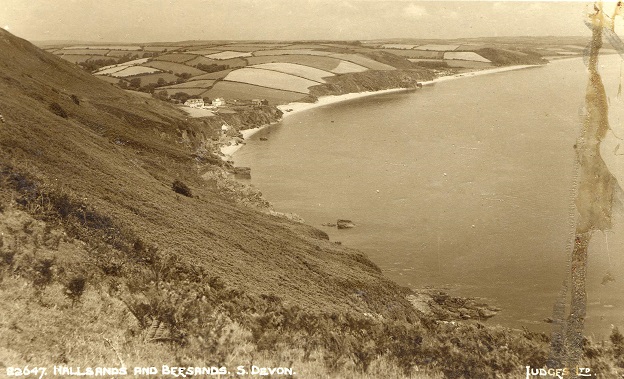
(345, 224)
(242, 172)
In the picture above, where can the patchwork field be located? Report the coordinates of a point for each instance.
(204, 83)
(175, 57)
(465, 56)
(160, 48)
(345, 67)
(77, 58)
(437, 47)
(363, 61)
(134, 70)
(212, 75)
(188, 91)
(320, 62)
(85, 52)
(271, 79)
(154, 78)
(291, 52)
(233, 90)
(120, 53)
(421, 54)
(398, 46)
(202, 60)
(176, 68)
(305, 72)
(307, 46)
(283, 72)
(206, 51)
(238, 48)
(228, 55)
(110, 70)
(104, 47)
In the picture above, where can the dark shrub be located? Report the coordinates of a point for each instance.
(75, 99)
(181, 188)
(75, 287)
(58, 110)
(41, 274)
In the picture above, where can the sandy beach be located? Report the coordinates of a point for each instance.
(297, 107)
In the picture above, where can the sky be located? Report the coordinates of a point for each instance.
(177, 20)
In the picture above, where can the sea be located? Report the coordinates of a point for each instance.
(466, 185)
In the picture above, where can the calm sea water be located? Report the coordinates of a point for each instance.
(465, 185)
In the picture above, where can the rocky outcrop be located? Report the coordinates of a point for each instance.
(345, 224)
(442, 306)
(241, 172)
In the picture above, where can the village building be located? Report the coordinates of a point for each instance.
(194, 103)
(225, 128)
(219, 102)
(259, 102)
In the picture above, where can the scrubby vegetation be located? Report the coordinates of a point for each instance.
(188, 317)
(505, 58)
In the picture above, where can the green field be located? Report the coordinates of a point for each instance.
(233, 90)
(345, 67)
(212, 75)
(204, 83)
(153, 78)
(200, 59)
(77, 58)
(271, 79)
(437, 47)
(228, 55)
(176, 57)
(134, 70)
(465, 56)
(418, 54)
(291, 52)
(176, 68)
(206, 51)
(188, 91)
(320, 62)
(306, 72)
(85, 52)
(363, 61)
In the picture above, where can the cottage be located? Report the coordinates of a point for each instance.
(219, 102)
(259, 102)
(194, 103)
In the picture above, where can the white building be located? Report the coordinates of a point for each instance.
(194, 103)
(219, 102)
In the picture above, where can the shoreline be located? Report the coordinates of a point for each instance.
(297, 107)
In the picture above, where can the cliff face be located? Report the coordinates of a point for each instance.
(252, 117)
(371, 81)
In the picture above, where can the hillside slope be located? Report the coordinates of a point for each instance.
(71, 136)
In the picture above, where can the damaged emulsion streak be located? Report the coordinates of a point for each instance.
(593, 202)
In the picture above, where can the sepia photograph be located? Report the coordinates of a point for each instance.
(311, 189)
